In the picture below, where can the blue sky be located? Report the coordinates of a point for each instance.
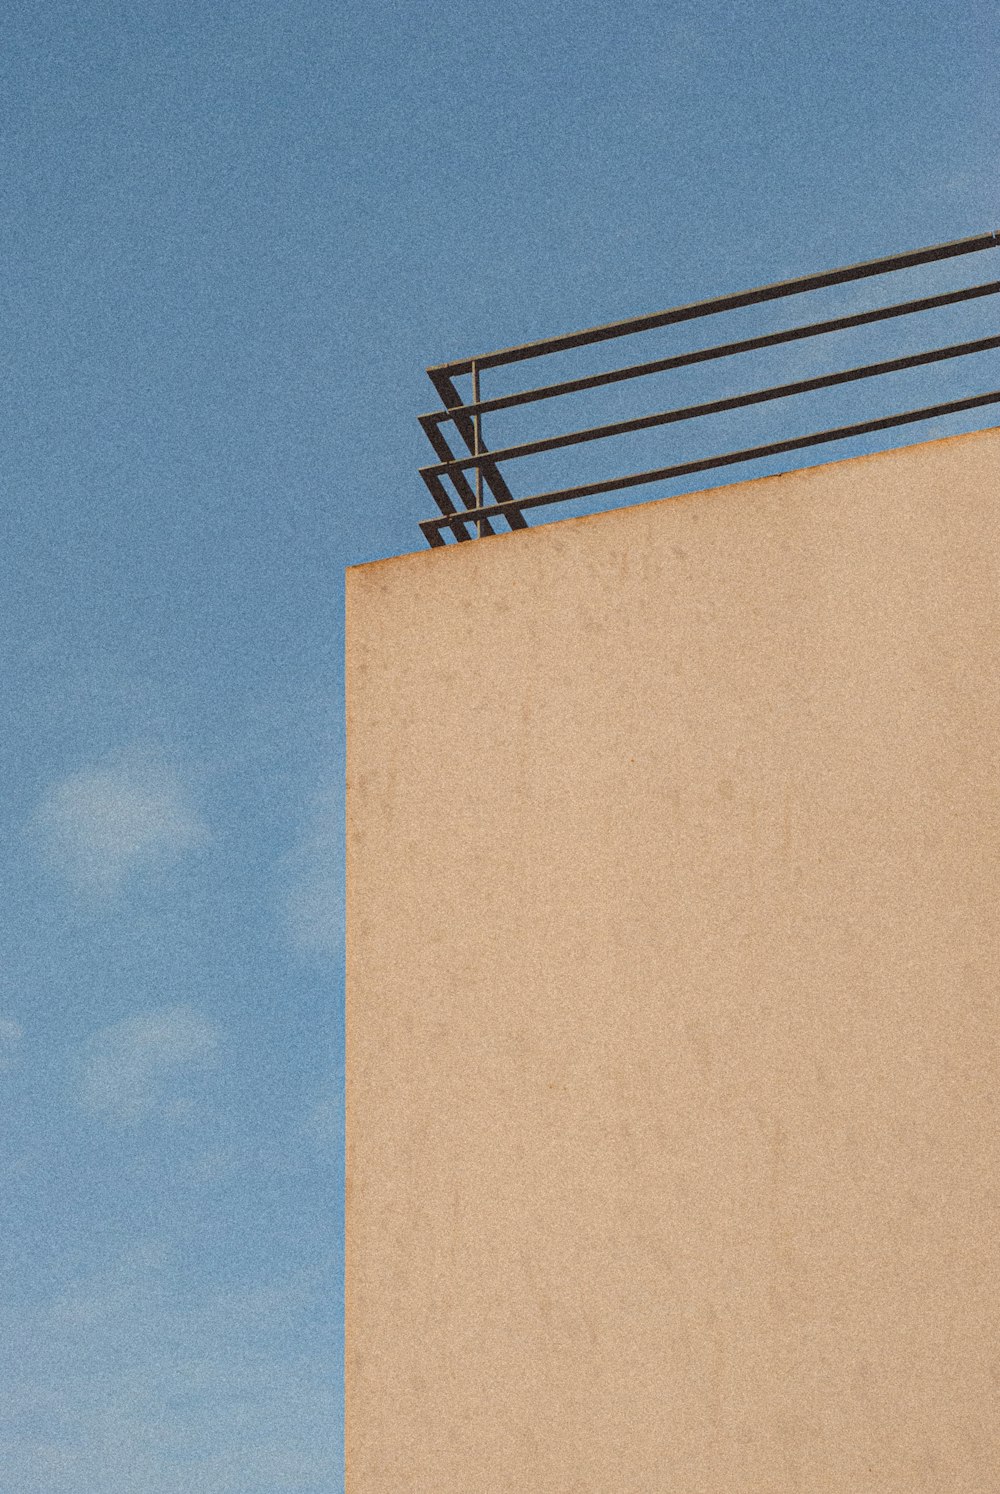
(234, 236)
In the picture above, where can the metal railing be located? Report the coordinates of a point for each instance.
(467, 511)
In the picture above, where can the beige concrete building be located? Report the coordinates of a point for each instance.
(672, 995)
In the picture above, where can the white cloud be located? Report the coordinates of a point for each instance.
(312, 882)
(130, 1382)
(11, 1033)
(101, 825)
(135, 1068)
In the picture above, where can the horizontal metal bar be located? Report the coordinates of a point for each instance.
(717, 304)
(717, 406)
(731, 458)
(435, 418)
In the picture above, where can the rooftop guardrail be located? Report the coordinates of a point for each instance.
(467, 511)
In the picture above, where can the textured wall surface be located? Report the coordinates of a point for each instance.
(673, 991)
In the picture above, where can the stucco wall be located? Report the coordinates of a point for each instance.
(672, 995)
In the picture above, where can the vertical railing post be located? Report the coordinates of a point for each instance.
(477, 443)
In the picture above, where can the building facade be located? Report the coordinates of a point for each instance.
(672, 994)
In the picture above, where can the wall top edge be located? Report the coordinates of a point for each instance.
(447, 554)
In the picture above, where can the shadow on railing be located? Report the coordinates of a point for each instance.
(467, 511)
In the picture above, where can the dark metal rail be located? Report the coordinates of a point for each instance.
(483, 463)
